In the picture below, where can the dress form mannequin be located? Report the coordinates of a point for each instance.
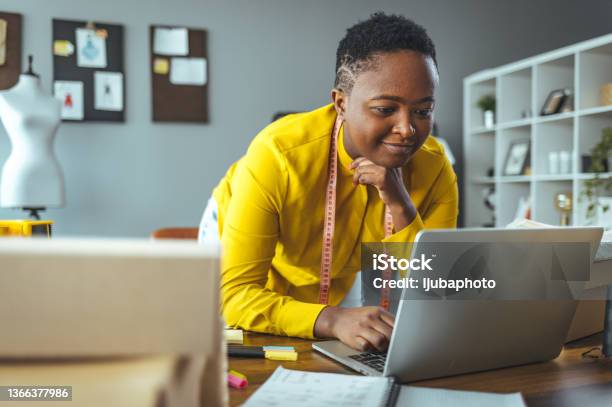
(31, 177)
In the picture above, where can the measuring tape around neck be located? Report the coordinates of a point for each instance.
(330, 221)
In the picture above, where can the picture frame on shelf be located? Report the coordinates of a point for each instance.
(554, 102)
(517, 158)
(568, 102)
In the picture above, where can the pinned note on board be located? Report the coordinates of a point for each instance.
(188, 71)
(161, 66)
(171, 41)
(63, 48)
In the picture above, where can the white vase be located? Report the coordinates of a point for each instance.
(489, 119)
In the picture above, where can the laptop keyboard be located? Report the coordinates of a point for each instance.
(375, 360)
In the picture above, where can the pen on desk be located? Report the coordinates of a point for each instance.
(246, 351)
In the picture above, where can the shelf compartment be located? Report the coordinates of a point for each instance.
(505, 139)
(544, 203)
(508, 196)
(482, 155)
(515, 96)
(589, 134)
(599, 217)
(550, 76)
(595, 71)
(550, 137)
(477, 90)
(477, 212)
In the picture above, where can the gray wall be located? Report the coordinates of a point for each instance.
(128, 179)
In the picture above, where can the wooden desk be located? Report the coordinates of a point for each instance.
(569, 380)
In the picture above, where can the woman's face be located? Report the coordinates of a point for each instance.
(389, 112)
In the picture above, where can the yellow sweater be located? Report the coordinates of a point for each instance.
(271, 211)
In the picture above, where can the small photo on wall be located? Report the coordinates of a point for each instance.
(70, 94)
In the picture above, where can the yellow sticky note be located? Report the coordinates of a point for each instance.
(102, 33)
(63, 48)
(234, 336)
(161, 66)
(281, 355)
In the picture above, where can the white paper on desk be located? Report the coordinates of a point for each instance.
(91, 49)
(308, 389)
(427, 397)
(188, 71)
(108, 91)
(171, 41)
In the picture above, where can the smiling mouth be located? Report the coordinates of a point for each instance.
(399, 148)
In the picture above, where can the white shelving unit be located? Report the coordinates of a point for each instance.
(522, 87)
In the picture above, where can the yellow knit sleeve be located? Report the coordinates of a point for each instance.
(249, 236)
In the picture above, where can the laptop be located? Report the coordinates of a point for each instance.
(456, 334)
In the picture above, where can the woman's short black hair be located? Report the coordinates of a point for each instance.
(380, 33)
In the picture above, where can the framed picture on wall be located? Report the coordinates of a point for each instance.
(517, 158)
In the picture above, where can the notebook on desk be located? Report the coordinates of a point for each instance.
(298, 388)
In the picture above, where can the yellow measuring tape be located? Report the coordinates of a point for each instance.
(330, 222)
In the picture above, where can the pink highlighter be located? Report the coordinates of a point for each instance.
(236, 380)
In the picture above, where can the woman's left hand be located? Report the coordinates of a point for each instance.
(391, 189)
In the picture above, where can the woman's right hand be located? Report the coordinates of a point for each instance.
(363, 328)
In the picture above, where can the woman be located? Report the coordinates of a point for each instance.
(371, 152)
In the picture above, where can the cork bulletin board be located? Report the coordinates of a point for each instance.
(179, 74)
(10, 49)
(88, 70)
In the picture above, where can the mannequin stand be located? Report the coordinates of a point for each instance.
(34, 212)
